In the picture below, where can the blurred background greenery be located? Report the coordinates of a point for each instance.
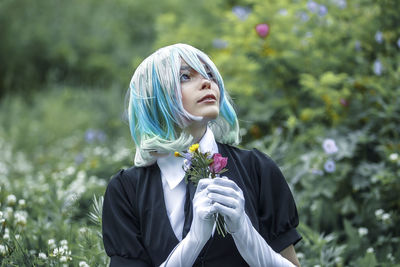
(316, 85)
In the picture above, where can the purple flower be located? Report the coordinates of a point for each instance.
(341, 3)
(322, 10)
(219, 43)
(329, 166)
(90, 136)
(219, 163)
(398, 42)
(303, 16)
(378, 67)
(79, 159)
(312, 6)
(344, 102)
(187, 156)
(241, 12)
(379, 37)
(186, 164)
(262, 29)
(283, 12)
(329, 146)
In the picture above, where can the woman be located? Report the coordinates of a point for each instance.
(151, 217)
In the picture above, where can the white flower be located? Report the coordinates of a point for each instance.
(362, 231)
(20, 217)
(8, 213)
(83, 264)
(51, 242)
(61, 250)
(386, 217)
(370, 250)
(63, 259)
(42, 256)
(3, 250)
(55, 252)
(11, 200)
(329, 146)
(394, 156)
(64, 242)
(17, 237)
(83, 230)
(22, 202)
(329, 166)
(6, 236)
(378, 213)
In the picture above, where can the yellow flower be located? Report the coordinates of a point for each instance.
(193, 148)
(177, 154)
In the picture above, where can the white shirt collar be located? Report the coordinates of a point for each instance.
(171, 166)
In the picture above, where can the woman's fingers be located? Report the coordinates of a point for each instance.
(203, 184)
(224, 200)
(224, 181)
(226, 211)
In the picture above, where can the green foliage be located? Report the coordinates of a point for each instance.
(58, 151)
(90, 42)
(319, 93)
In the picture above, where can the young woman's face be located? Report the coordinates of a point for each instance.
(200, 96)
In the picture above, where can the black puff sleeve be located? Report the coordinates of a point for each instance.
(277, 212)
(121, 230)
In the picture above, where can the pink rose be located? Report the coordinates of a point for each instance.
(219, 163)
(262, 30)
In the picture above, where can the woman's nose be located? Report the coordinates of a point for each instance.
(205, 83)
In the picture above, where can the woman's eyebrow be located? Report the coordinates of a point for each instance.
(186, 67)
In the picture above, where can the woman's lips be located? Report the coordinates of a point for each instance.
(209, 98)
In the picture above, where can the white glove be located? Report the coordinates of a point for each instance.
(203, 221)
(228, 201)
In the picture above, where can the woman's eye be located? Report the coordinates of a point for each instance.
(184, 77)
(210, 75)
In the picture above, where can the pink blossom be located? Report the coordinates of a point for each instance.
(219, 163)
(262, 30)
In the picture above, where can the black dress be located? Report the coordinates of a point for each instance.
(137, 231)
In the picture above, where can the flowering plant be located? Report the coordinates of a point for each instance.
(199, 165)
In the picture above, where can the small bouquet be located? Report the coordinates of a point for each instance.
(199, 165)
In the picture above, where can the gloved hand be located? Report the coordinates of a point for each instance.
(228, 200)
(203, 210)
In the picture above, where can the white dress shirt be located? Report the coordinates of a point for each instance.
(174, 186)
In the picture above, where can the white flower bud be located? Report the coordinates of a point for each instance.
(42, 256)
(362, 231)
(11, 200)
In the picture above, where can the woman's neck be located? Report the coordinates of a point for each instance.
(197, 131)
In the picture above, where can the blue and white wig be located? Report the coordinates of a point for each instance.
(155, 110)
